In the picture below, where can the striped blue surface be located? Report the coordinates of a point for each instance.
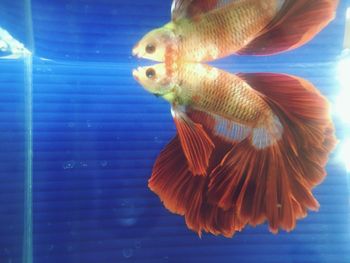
(96, 134)
(12, 159)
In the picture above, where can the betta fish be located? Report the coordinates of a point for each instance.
(204, 30)
(249, 147)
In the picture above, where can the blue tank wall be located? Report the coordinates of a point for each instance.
(96, 134)
(12, 159)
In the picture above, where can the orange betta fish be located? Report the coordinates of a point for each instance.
(204, 30)
(249, 147)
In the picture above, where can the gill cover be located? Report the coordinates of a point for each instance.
(155, 79)
(156, 44)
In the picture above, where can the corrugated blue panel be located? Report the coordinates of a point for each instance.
(97, 134)
(94, 30)
(12, 159)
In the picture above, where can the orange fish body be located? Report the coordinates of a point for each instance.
(218, 92)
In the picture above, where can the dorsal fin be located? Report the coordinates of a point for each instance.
(296, 24)
(192, 8)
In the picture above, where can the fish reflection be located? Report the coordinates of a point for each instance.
(204, 30)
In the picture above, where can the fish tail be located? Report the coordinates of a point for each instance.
(274, 183)
(297, 23)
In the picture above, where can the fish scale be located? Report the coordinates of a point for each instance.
(200, 40)
(221, 93)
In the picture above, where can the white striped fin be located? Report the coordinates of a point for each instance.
(261, 137)
(280, 4)
(230, 130)
(266, 136)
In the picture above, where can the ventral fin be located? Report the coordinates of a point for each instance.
(195, 142)
(296, 24)
(192, 8)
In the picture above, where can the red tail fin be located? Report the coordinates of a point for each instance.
(297, 23)
(275, 183)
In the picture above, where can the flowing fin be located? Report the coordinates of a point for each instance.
(275, 183)
(188, 8)
(296, 24)
(193, 8)
(196, 144)
(170, 178)
(185, 194)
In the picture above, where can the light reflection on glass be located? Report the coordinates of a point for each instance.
(343, 99)
(10, 48)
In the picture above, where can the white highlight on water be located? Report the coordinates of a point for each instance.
(342, 105)
(12, 46)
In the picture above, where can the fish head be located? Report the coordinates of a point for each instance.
(156, 80)
(155, 44)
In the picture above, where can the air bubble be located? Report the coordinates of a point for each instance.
(128, 252)
(138, 244)
(128, 214)
(69, 165)
(83, 164)
(104, 163)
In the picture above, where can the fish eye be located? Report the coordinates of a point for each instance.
(150, 73)
(150, 48)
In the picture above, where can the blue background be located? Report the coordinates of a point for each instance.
(96, 135)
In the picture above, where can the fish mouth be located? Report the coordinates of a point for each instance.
(136, 51)
(136, 73)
